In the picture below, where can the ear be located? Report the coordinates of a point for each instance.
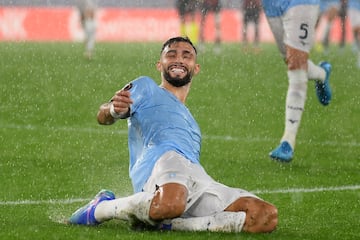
(158, 66)
(196, 69)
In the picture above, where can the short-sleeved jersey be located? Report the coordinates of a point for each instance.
(158, 122)
(277, 8)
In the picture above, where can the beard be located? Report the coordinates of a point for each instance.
(177, 81)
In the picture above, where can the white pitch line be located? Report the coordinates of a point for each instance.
(39, 202)
(309, 190)
(102, 130)
(283, 191)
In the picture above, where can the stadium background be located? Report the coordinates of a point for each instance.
(124, 21)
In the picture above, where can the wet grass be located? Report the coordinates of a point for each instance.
(53, 151)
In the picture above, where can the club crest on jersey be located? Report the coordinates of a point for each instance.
(172, 175)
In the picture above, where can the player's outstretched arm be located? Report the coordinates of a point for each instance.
(117, 108)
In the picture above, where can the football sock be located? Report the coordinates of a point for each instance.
(134, 207)
(325, 40)
(182, 29)
(219, 222)
(244, 33)
(90, 29)
(257, 36)
(357, 40)
(356, 47)
(217, 28)
(316, 72)
(193, 32)
(295, 102)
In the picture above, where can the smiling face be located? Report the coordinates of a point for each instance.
(177, 63)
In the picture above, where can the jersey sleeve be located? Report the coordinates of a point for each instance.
(140, 89)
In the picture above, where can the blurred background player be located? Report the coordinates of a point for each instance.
(342, 15)
(354, 17)
(188, 25)
(329, 11)
(251, 10)
(206, 7)
(87, 10)
(293, 25)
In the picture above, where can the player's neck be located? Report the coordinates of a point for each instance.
(179, 92)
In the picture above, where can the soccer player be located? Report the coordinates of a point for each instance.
(354, 16)
(343, 17)
(329, 9)
(211, 6)
(188, 25)
(172, 189)
(293, 25)
(87, 10)
(251, 13)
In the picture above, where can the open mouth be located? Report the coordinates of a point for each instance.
(177, 69)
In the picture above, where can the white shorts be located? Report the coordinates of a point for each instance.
(205, 195)
(354, 17)
(294, 29)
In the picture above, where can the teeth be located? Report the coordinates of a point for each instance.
(177, 70)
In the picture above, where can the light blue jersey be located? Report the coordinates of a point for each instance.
(354, 4)
(158, 123)
(327, 4)
(277, 8)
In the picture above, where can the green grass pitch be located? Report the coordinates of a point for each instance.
(54, 156)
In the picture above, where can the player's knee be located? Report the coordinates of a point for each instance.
(267, 219)
(166, 210)
(261, 217)
(169, 202)
(296, 59)
(272, 219)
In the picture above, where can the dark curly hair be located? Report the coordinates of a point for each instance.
(177, 39)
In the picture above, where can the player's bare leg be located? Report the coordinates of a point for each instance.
(169, 204)
(356, 34)
(297, 63)
(331, 14)
(217, 18)
(169, 201)
(300, 70)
